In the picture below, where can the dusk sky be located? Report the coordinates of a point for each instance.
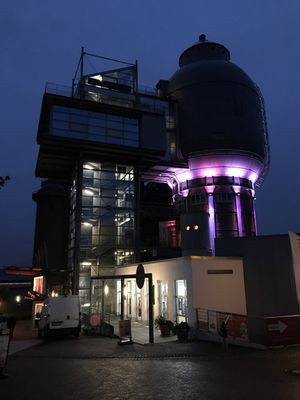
(41, 40)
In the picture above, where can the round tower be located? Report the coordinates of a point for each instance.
(222, 136)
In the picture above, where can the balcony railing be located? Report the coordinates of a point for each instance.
(146, 99)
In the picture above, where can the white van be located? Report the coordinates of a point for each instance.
(60, 315)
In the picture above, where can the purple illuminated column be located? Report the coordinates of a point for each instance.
(212, 229)
(239, 212)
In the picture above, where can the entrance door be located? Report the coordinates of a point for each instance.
(129, 299)
(138, 304)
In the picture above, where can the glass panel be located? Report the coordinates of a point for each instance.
(99, 127)
(181, 301)
(60, 124)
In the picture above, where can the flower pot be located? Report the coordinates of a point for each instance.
(182, 334)
(164, 330)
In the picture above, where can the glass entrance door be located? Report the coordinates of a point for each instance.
(138, 304)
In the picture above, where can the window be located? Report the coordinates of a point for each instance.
(223, 197)
(163, 298)
(181, 301)
(89, 125)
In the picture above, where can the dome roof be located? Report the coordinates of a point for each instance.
(204, 50)
(207, 61)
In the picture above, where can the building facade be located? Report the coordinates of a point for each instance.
(134, 175)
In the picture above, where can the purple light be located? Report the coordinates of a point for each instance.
(237, 165)
(239, 215)
(253, 177)
(183, 175)
(212, 230)
(170, 184)
(236, 171)
(209, 172)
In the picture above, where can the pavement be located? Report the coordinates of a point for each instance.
(87, 347)
(96, 368)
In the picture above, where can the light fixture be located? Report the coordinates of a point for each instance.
(88, 192)
(87, 224)
(86, 305)
(18, 299)
(99, 77)
(125, 220)
(196, 227)
(106, 290)
(87, 166)
(86, 263)
(187, 228)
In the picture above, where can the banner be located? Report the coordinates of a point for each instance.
(125, 329)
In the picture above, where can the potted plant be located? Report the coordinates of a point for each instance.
(165, 326)
(182, 331)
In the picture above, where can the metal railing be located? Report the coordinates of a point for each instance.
(149, 102)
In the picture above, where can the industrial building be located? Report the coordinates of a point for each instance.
(133, 175)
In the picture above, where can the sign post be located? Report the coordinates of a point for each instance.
(140, 276)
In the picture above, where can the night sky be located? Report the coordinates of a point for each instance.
(41, 40)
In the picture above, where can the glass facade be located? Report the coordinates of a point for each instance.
(107, 220)
(95, 126)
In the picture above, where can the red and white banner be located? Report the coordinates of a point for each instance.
(282, 330)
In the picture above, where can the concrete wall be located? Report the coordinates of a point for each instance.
(295, 247)
(269, 278)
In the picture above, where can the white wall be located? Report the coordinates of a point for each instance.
(167, 271)
(219, 292)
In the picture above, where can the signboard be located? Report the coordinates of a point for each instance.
(211, 321)
(282, 330)
(236, 325)
(140, 276)
(125, 329)
(95, 320)
(4, 342)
